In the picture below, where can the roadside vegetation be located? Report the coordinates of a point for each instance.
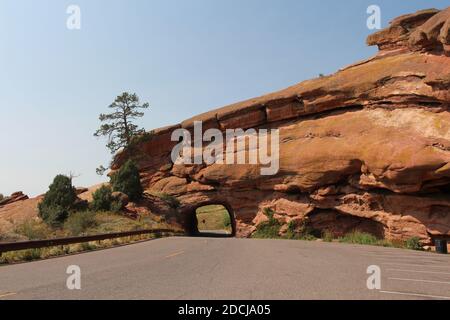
(356, 237)
(59, 200)
(170, 200)
(271, 230)
(62, 209)
(82, 223)
(127, 181)
(45, 253)
(63, 214)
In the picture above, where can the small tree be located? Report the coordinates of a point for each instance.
(1, 197)
(102, 199)
(127, 180)
(59, 199)
(118, 126)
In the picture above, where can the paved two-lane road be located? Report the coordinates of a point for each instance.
(227, 268)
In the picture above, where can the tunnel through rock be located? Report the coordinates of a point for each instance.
(212, 220)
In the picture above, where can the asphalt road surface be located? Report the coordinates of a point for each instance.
(228, 268)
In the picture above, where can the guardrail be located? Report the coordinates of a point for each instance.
(36, 244)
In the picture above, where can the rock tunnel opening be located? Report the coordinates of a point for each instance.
(339, 224)
(212, 220)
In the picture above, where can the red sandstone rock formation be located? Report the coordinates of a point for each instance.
(14, 213)
(367, 148)
(16, 196)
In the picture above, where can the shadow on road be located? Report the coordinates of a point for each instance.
(213, 234)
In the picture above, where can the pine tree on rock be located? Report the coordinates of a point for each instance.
(118, 126)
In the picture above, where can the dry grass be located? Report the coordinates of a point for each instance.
(100, 223)
(213, 217)
(45, 253)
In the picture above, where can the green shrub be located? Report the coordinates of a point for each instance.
(226, 220)
(33, 230)
(360, 238)
(79, 222)
(290, 233)
(1, 197)
(53, 215)
(172, 201)
(31, 254)
(102, 199)
(59, 199)
(86, 246)
(269, 229)
(127, 180)
(307, 237)
(60, 193)
(139, 139)
(116, 206)
(413, 243)
(327, 236)
(270, 213)
(299, 232)
(357, 237)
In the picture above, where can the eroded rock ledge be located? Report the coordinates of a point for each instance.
(366, 148)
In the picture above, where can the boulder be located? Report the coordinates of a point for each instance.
(14, 197)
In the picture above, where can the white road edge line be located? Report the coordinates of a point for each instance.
(417, 271)
(7, 294)
(420, 280)
(404, 258)
(413, 265)
(416, 295)
(392, 256)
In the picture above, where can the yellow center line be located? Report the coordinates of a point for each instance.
(7, 294)
(174, 254)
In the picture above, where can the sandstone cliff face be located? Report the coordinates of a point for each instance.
(367, 148)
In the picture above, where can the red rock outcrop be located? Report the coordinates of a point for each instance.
(14, 213)
(16, 196)
(365, 148)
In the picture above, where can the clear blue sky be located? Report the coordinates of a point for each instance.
(184, 57)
